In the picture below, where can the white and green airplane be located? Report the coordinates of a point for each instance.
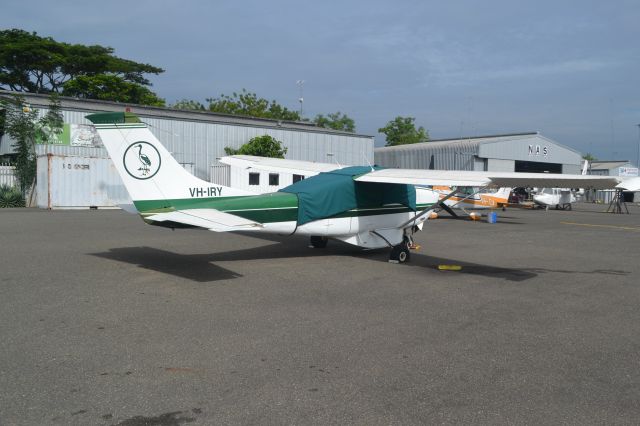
(368, 207)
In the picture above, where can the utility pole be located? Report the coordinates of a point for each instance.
(638, 154)
(300, 84)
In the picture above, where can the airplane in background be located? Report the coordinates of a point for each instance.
(365, 206)
(472, 198)
(560, 198)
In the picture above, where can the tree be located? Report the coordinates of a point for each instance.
(589, 157)
(261, 146)
(188, 105)
(108, 87)
(336, 121)
(248, 104)
(30, 63)
(402, 131)
(22, 124)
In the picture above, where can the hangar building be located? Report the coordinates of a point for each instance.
(519, 152)
(76, 172)
(613, 168)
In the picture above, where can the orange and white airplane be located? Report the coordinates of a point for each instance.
(472, 198)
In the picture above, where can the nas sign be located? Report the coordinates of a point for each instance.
(538, 150)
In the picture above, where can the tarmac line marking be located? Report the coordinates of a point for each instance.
(626, 228)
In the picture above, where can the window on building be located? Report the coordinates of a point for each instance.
(254, 178)
(297, 178)
(274, 179)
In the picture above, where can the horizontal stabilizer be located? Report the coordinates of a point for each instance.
(211, 219)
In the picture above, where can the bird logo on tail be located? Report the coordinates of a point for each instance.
(141, 160)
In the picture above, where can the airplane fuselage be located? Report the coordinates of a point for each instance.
(278, 214)
(554, 197)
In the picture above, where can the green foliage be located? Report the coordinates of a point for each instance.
(10, 197)
(248, 104)
(109, 87)
(50, 125)
(188, 105)
(336, 121)
(23, 125)
(261, 146)
(589, 157)
(30, 63)
(402, 131)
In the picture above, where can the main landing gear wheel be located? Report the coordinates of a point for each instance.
(318, 242)
(400, 253)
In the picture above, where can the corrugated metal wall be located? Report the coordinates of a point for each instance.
(496, 165)
(220, 174)
(202, 143)
(197, 145)
(460, 156)
(463, 154)
(571, 169)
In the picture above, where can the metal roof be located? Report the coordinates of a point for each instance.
(608, 164)
(92, 105)
(470, 142)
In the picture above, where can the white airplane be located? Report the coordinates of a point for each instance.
(363, 206)
(561, 198)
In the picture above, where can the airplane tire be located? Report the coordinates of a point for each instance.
(400, 253)
(318, 242)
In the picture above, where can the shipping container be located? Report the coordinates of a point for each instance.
(69, 182)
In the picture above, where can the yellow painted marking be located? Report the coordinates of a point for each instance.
(626, 228)
(449, 267)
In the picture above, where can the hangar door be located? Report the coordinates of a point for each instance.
(537, 167)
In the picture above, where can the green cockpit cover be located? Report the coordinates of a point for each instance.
(331, 193)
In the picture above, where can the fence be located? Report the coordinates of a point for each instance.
(8, 175)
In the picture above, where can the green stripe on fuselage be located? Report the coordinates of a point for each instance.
(266, 208)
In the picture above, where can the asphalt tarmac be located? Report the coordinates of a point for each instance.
(107, 321)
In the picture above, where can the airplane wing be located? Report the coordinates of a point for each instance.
(495, 179)
(305, 168)
(630, 184)
(211, 219)
(441, 177)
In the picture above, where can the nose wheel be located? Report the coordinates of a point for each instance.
(400, 253)
(318, 242)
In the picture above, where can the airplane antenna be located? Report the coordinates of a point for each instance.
(330, 154)
(367, 160)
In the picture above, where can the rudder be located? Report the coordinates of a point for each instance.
(147, 169)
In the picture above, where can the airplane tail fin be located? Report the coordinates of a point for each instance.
(585, 167)
(502, 195)
(147, 169)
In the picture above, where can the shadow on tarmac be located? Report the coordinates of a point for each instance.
(202, 268)
(194, 267)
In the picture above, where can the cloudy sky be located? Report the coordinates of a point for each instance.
(569, 69)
